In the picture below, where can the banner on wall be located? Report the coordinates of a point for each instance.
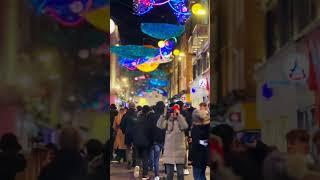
(312, 46)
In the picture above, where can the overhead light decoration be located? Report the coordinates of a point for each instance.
(158, 82)
(131, 64)
(161, 44)
(176, 52)
(148, 66)
(162, 30)
(134, 51)
(179, 8)
(67, 13)
(198, 9)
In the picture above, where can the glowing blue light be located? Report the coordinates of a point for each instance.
(158, 82)
(162, 30)
(134, 51)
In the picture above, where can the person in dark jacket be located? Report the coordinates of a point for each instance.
(158, 136)
(127, 123)
(113, 113)
(95, 160)
(142, 140)
(68, 164)
(237, 153)
(11, 161)
(199, 144)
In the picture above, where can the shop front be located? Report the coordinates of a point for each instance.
(200, 90)
(283, 94)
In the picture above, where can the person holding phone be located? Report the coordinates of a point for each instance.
(174, 148)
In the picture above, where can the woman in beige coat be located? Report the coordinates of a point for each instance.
(119, 146)
(174, 146)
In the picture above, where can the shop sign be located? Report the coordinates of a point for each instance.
(203, 83)
(296, 68)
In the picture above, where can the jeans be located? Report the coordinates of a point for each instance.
(199, 173)
(170, 171)
(155, 157)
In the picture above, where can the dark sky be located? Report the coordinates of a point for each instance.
(129, 24)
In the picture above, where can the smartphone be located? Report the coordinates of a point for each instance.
(249, 136)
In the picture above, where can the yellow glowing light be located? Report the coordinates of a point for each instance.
(176, 52)
(143, 101)
(198, 9)
(148, 66)
(97, 18)
(161, 44)
(182, 54)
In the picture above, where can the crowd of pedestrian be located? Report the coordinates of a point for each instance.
(67, 160)
(177, 133)
(234, 159)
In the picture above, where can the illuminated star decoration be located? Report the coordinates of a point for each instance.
(179, 8)
(65, 12)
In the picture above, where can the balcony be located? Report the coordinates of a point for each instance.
(199, 37)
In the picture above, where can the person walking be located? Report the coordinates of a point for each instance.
(174, 147)
(68, 163)
(142, 141)
(127, 123)
(199, 141)
(158, 137)
(113, 113)
(119, 146)
(188, 116)
(11, 161)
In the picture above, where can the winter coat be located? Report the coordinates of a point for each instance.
(200, 152)
(127, 123)
(158, 135)
(119, 140)
(67, 165)
(142, 132)
(10, 165)
(174, 146)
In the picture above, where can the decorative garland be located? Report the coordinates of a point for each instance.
(162, 30)
(179, 8)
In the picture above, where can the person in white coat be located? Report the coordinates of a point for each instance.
(174, 148)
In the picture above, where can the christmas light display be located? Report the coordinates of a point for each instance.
(148, 66)
(179, 8)
(67, 13)
(162, 30)
(134, 51)
(131, 64)
(158, 82)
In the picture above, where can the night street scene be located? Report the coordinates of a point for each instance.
(160, 90)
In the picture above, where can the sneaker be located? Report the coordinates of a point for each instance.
(136, 172)
(186, 172)
(157, 178)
